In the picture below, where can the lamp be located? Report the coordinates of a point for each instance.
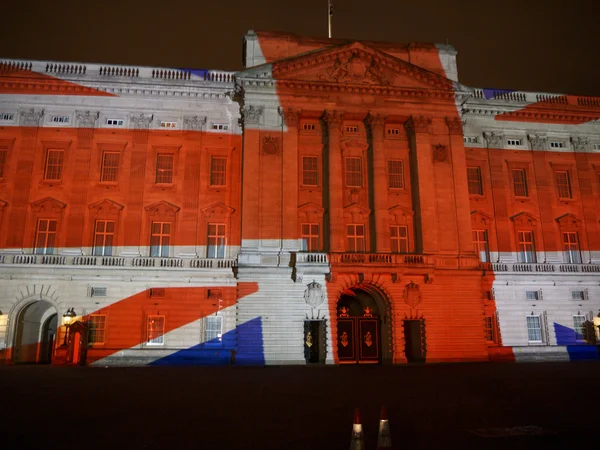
(68, 316)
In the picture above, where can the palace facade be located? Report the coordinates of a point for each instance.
(335, 202)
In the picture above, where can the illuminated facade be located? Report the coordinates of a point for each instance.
(335, 202)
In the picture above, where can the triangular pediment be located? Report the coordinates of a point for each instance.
(568, 221)
(310, 211)
(47, 205)
(351, 64)
(399, 215)
(480, 219)
(218, 211)
(524, 219)
(356, 213)
(162, 208)
(106, 206)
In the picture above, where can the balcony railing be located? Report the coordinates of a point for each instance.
(381, 259)
(541, 268)
(118, 261)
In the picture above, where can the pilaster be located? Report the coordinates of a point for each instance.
(423, 191)
(382, 226)
(334, 121)
(290, 179)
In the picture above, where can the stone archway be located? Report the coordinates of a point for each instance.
(363, 326)
(35, 333)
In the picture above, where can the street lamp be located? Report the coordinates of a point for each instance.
(67, 319)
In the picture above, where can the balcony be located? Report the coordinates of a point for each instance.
(110, 262)
(381, 259)
(540, 268)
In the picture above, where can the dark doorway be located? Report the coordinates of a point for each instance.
(358, 328)
(48, 339)
(414, 339)
(314, 341)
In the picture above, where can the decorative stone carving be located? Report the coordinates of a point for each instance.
(412, 295)
(537, 142)
(417, 124)
(105, 206)
(361, 144)
(377, 120)
(494, 139)
(252, 114)
(31, 117)
(193, 123)
(314, 295)
(270, 145)
(141, 122)
(47, 205)
(291, 117)
(86, 119)
(162, 208)
(334, 119)
(356, 69)
(580, 144)
(440, 153)
(455, 125)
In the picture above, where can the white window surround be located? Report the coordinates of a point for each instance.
(557, 144)
(471, 139)
(115, 122)
(60, 119)
(579, 295)
(514, 142)
(219, 126)
(7, 117)
(533, 295)
(168, 124)
(213, 328)
(534, 329)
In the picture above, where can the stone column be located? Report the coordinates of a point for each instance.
(290, 179)
(335, 192)
(461, 186)
(380, 189)
(423, 184)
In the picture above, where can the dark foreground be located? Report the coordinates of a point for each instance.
(462, 406)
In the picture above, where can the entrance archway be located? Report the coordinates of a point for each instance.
(363, 329)
(35, 333)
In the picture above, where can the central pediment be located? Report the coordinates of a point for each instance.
(356, 64)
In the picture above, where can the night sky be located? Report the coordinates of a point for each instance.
(545, 46)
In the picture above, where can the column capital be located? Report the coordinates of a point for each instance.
(290, 116)
(579, 143)
(417, 124)
(455, 125)
(377, 120)
(537, 142)
(333, 118)
(494, 139)
(86, 119)
(31, 117)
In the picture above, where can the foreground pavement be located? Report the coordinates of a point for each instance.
(463, 406)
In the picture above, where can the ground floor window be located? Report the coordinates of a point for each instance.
(97, 329)
(214, 330)
(534, 329)
(156, 330)
(579, 328)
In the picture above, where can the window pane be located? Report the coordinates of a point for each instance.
(110, 166)
(164, 168)
(218, 171)
(474, 180)
(54, 163)
(353, 172)
(395, 174)
(563, 183)
(310, 174)
(519, 183)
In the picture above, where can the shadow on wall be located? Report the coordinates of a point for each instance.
(221, 353)
(577, 349)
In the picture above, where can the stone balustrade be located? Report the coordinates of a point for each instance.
(541, 268)
(109, 262)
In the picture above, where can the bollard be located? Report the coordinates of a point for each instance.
(384, 438)
(357, 441)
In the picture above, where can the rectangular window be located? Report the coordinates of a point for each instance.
(470, 139)
(168, 124)
(45, 238)
(519, 182)
(399, 237)
(534, 329)
(352, 129)
(393, 131)
(526, 246)
(104, 235)
(96, 329)
(579, 328)
(579, 295)
(216, 240)
(115, 122)
(356, 238)
(3, 153)
(532, 295)
(557, 144)
(395, 174)
(310, 171)
(571, 247)
(311, 241)
(6, 117)
(480, 242)
(220, 126)
(164, 168)
(309, 127)
(353, 172)
(563, 183)
(60, 119)
(474, 180)
(110, 166)
(513, 142)
(54, 164)
(490, 331)
(214, 330)
(218, 171)
(156, 330)
(160, 239)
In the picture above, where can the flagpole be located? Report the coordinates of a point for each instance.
(329, 14)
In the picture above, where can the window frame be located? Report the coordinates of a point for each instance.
(399, 175)
(310, 238)
(540, 329)
(219, 331)
(160, 236)
(212, 172)
(524, 182)
(396, 241)
(314, 171)
(45, 248)
(103, 166)
(104, 234)
(60, 166)
(583, 334)
(569, 252)
(355, 238)
(159, 172)
(471, 182)
(523, 259)
(349, 174)
(477, 241)
(216, 236)
(561, 186)
(150, 330)
(91, 330)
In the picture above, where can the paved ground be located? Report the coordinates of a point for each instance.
(464, 406)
